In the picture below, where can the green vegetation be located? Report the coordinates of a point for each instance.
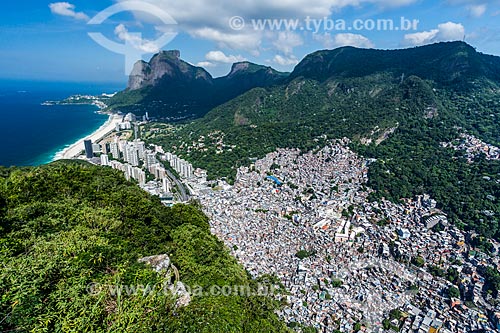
(453, 63)
(395, 314)
(436, 270)
(302, 254)
(452, 274)
(67, 225)
(412, 162)
(453, 292)
(418, 261)
(482, 244)
(470, 305)
(337, 283)
(386, 324)
(492, 279)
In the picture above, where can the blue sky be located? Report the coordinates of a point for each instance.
(49, 40)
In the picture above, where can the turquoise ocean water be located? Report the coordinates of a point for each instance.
(31, 133)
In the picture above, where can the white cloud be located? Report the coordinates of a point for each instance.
(235, 41)
(347, 39)
(287, 41)
(285, 61)
(445, 32)
(420, 38)
(219, 56)
(215, 58)
(209, 20)
(136, 40)
(477, 10)
(450, 31)
(199, 12)
(205, 64)
(67, 9)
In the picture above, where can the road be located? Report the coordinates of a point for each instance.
(180, 186)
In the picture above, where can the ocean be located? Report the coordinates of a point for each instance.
(31, 133)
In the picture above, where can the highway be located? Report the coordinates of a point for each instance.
(184, 196)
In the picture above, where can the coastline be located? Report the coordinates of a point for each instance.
(76, 148)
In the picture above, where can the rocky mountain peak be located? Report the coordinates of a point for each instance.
(165, 64)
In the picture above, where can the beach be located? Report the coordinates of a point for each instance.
(75, 149)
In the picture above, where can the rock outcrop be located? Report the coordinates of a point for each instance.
(162, 265)
(165, 65)
(170, 88)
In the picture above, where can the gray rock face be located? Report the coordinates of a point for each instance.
(239, 67)
(138, 77)
(166, 64)
(161, 264)
(180, 293)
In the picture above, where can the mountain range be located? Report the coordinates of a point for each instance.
(170, 88)
(403, 109)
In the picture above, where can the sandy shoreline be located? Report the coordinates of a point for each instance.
(76, 148)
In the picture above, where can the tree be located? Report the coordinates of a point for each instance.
(302, 254)
(418, 261)
(337, 283)
(84, 224)
(453, 292)
(452, 274)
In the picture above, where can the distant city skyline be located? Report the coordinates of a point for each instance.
(49, 40)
